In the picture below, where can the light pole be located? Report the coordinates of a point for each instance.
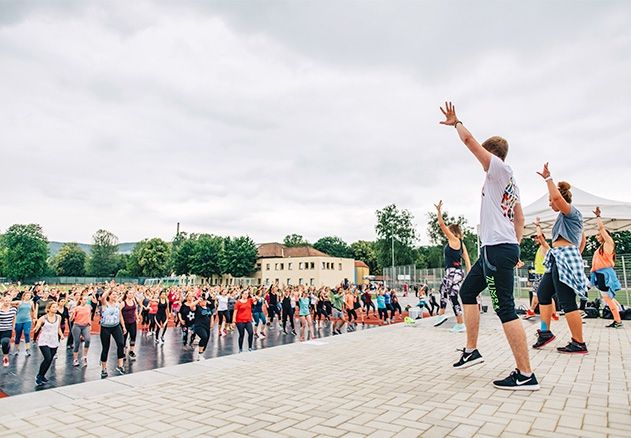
(393, 260)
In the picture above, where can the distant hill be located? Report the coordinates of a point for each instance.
(123, 248)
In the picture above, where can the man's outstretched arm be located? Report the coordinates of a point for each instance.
(483, 156)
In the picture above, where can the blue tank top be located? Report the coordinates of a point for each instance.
(24, 313)
(110, 316)
(569, 227)
(304, 306)
(257, 307)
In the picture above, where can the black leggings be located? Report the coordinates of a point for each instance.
(550, 285)
(383, 314)
(48, 353)
(204, 334)
(367, 305)
(351, 314)
(242, 327)
(5, 339)
(320, 312)
(433, 303)
(117, 333)
(288, 314)
(271, 311)
(396, 306)
(130, 333)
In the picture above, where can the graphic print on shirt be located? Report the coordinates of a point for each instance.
(509, 199)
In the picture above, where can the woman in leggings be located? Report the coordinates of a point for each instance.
(162, 317)
(81, 318)
(48, 340)
(24, 322)
(455, 253)
(7, 321)
(201, 327)
(603, 276)
(112, 326)
(243, 318)
(320, 309)
(222, 310)
(306, 323)
(565, 274)
(130, 318)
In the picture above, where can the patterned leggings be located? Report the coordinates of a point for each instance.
(449, 289)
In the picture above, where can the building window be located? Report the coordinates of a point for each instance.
(282, 266)
(300, 265)
(276, 281)
(289, 266)
(312, 265)
(267, 267)
(275, 266)
(323, 265)
(258, 266)
(301, 281)
(340, 266)
(258, 281)
(267, 282)
(312, 282)
(289, 282)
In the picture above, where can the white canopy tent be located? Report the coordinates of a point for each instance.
(616, 215)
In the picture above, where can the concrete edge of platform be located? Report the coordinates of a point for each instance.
(98, 388)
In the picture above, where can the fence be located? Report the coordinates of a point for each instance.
(83, 280)
(399, 275)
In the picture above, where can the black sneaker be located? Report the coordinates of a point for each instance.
(120, 370)
(103, 374)
(44, 379)
(132, 355)
(614, 324)
(469, 359)
(574, 347)
(544, 337)
(516, 381)
(38, 381)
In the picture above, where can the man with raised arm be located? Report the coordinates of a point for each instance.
(501, 230)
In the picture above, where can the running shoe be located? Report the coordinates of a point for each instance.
(293, 332)
(574, 347)
(162, 340)
(249, 349)
(529, 314)
(262, 336)
(132, 355)
(458, 328)
(615, 324)
(44, 379)
(516, 381)
(28, 352)
(120, 370)
(16, 352)
(38, 381)
(544, 337)
(85, 362)
(441, 321)
(555, 316)
(103, 374)
(469, 359)
(5, 361)
(75, 363)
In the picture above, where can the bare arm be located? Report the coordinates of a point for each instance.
(556, 198)
(441, 223)
(518, 222)
(465, 256)
(483, 156)
(609, 244)
(583, 243)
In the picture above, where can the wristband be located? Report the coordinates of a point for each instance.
(548, 178)
(456, 124)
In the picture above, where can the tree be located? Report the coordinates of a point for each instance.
(366, 252)
(182, 254)
(295, 240)
(334, 246)
(150, 258)
(437, 237)
(206, 258)
(25, 250)
(103, 261)
(3, 255)
(395, 228)
(238, 256)
(70, 261)
(528, 249)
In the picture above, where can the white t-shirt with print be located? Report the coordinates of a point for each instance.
(499, 196)
(222, 303)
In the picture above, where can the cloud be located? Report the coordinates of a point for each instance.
(283, 117)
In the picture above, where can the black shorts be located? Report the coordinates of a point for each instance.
(494, 269)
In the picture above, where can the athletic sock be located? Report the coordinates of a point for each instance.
(469, 350)
(525, 374)
(544, 327)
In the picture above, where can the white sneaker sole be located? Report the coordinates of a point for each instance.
(518, 388)
(470, 363)
(441, 322)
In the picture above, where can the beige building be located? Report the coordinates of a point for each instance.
(278, 264)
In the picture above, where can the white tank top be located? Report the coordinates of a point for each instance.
(49, 335)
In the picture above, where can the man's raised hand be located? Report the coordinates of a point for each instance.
(450, 114)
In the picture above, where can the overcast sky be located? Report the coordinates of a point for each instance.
(268, 118)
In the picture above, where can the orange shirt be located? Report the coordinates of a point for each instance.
(602, 261)
(82, 315)
(349, 300)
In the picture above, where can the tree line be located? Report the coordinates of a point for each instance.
(24, 250)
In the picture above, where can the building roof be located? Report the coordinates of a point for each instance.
(360, 264)
(272, 250)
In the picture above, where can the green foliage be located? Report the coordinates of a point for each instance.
(334, 246)
(70, 261)
(150, 258)
(104, 261)
(397, 225)
(206, 258)
(238, 256)
(182, 253)
(293, 240)
(528, 249)
(3, 255)
(24, 251)
(367, 252)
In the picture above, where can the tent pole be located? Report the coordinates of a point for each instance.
(624, 277)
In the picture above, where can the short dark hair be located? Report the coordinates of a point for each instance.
(497, 145)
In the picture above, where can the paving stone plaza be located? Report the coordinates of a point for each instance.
(389, 381)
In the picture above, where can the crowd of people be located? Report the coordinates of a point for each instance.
(119, 312)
